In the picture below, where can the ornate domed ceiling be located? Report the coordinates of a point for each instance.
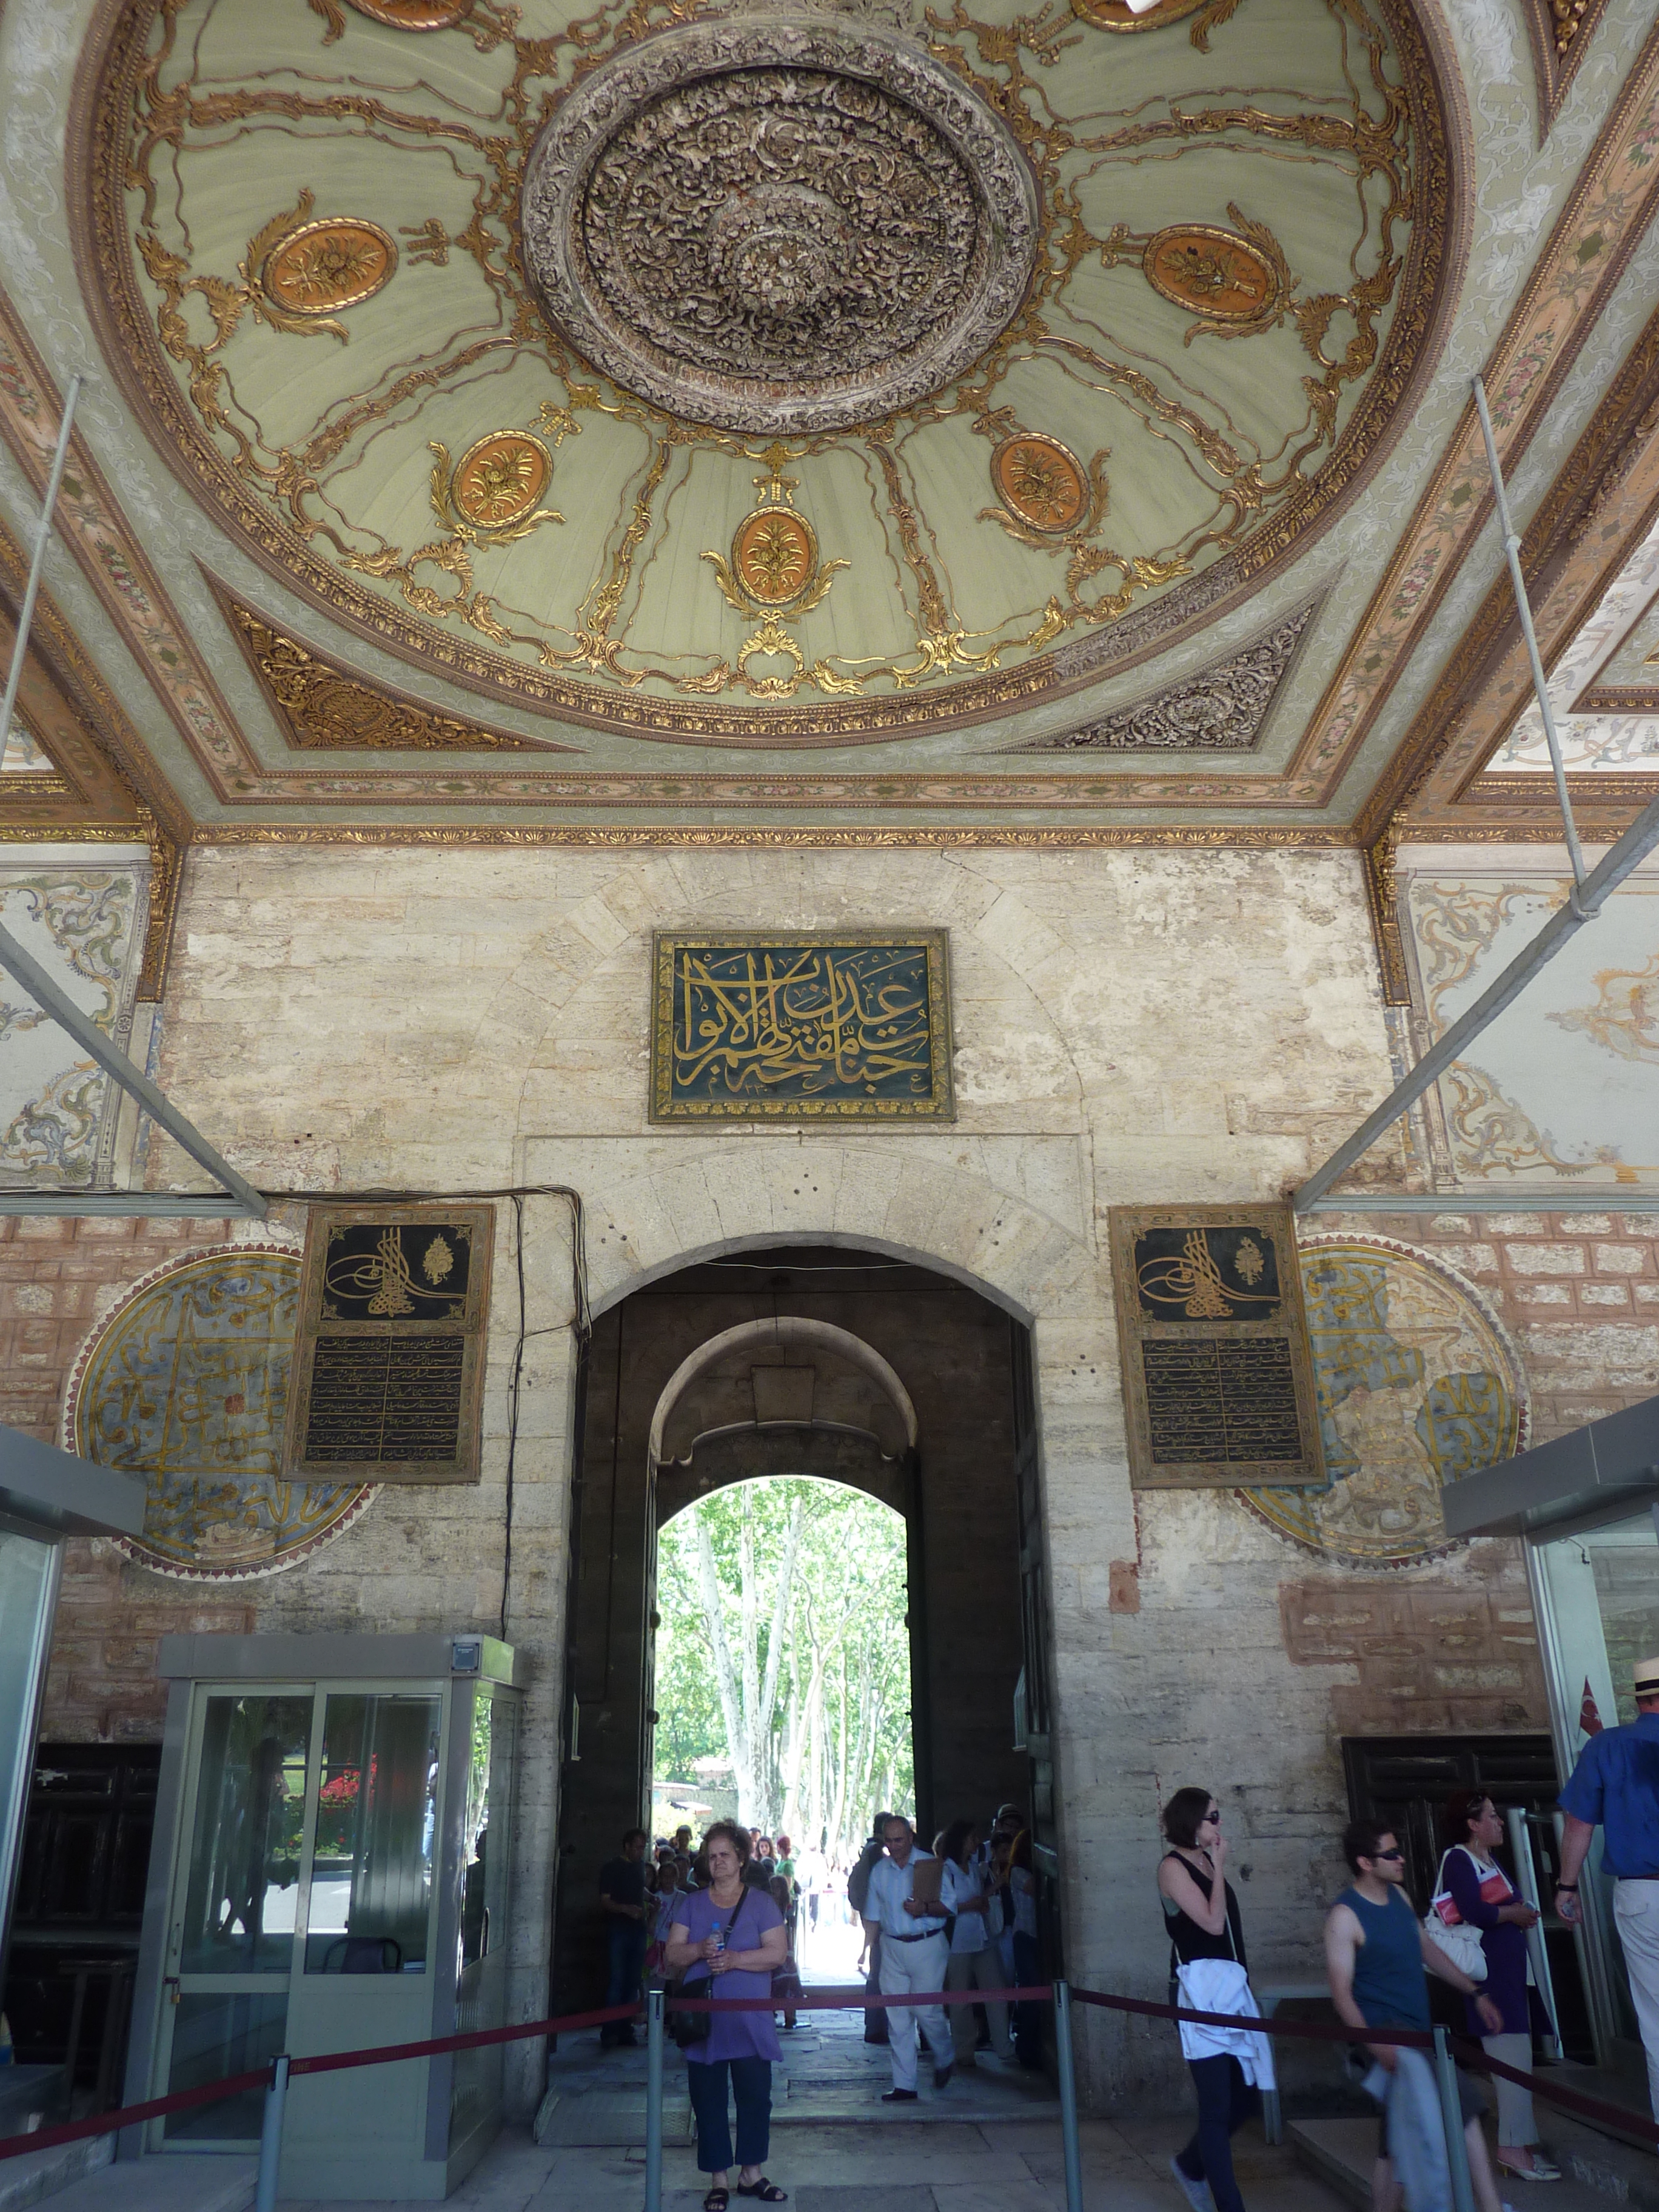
(761, 377)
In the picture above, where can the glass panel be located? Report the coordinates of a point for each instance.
(371, 1874)
(26, 1590)
(212, 2036)
(1603, 1585)
(245, 1855)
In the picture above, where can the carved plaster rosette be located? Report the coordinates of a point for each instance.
(783, 223)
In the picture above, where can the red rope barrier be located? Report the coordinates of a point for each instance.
(857, 2000)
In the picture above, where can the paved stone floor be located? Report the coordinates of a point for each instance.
(989, 2143)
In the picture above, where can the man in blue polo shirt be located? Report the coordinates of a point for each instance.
(1615, 1785)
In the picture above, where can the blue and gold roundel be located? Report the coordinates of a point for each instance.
(186, 1384)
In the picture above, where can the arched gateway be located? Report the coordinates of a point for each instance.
(825, 1360)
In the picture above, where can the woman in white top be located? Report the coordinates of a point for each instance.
(973, 1963)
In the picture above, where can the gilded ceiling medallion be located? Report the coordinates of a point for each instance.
(774, 572)
(1040, 480)
(774, 555)
(412, 14)
(498, 481)
(783, 224)
(490, 493)
(1213, 272)
(324, 266)
(1118, 15)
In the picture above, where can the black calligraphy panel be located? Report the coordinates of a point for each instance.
(388, 1368)
(855, 1025)
(1218, 1374)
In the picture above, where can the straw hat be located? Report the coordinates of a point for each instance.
(1646, 1675)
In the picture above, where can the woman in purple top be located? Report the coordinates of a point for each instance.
(1472, 1828)
(739, 1933)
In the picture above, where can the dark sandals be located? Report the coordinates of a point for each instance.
(716, 2201)
(768, 2192)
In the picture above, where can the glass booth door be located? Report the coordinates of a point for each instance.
(1597, 1595)
(304, 1907)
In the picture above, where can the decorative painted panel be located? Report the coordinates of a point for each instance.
(1418, 1385)
(1216, 1378)
(1564, 1085)
(186, 1383)
(852, 1024)
(85, 925)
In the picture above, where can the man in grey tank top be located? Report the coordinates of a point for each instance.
(1377, 1953)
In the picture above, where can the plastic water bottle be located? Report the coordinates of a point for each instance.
(718, 1934)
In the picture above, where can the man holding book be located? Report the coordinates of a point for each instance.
(902, 1906)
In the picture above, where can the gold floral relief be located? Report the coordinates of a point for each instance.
(324, 266)
(1040, 480)
(1195, 265)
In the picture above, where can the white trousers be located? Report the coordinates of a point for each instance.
(918, 1966)
(1636, 1909)
(977, 1970)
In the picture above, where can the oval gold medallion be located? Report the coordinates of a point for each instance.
(1040, 480)
(337, 263)
(1213, 272)
(774, 555)
(413, 15)
(1115, 15)
(498, 480)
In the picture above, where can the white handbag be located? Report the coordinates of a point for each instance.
(1460, 1943)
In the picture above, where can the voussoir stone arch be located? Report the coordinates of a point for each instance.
(783, 1333)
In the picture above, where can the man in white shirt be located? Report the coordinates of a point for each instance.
(913, 1958)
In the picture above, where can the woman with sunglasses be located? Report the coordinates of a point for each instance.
(1201, 1913)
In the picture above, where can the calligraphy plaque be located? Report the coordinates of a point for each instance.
(1217, 1377)
(852, 1024)
(388, 1362)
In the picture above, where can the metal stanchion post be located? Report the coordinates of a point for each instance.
(1067, 2098)
(271, 2137)
(1451, 2111)
(653, 2100)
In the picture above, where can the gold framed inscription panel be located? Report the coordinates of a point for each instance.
(389, 1356)
(848, 1026)
(1218, 1375)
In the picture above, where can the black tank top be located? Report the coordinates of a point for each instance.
(1187, 1941)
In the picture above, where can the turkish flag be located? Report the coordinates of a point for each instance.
(1589, 1720)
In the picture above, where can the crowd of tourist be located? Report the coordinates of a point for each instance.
(964, 1916)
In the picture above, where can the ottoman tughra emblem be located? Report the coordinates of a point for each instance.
(782, 224)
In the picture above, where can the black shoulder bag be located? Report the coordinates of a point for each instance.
(690, 2028)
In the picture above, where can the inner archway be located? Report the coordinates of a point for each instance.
(800, 1361)
(782, 1679)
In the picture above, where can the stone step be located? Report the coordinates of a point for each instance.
(1596, 2171)
(39, 2174)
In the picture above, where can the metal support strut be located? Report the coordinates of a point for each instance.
(1524, 608)
(653, 2100)
(1065, 2068)
(1451, 2111)
(270, 2137)
(37, 561)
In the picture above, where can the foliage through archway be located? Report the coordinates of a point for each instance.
(783, 1658)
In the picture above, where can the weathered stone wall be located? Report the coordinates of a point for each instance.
(1131, 1027)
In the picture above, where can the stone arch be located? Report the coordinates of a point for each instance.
(781, 1332)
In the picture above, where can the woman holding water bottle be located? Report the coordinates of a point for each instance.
(736, 1936)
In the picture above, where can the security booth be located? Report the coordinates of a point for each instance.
(333, 1835)
(1587, 1506)
(45, 1495)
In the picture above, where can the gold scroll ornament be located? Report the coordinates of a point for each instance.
(491, 493)
(1215, 273)
(774, 572)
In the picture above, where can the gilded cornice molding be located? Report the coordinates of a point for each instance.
(791, 839)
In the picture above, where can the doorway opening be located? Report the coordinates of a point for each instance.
(782, 1687)
(805, 1365)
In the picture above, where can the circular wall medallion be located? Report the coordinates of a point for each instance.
(1419, 1384)
(1041, 481)
(1117, 15)
(185, 1382)
(793, 224)
(414, 15)
(774, 555)
(1214, 272)
(337, 263)
(499, 480)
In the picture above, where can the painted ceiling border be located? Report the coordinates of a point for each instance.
(121, 322)
(1588, 249)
